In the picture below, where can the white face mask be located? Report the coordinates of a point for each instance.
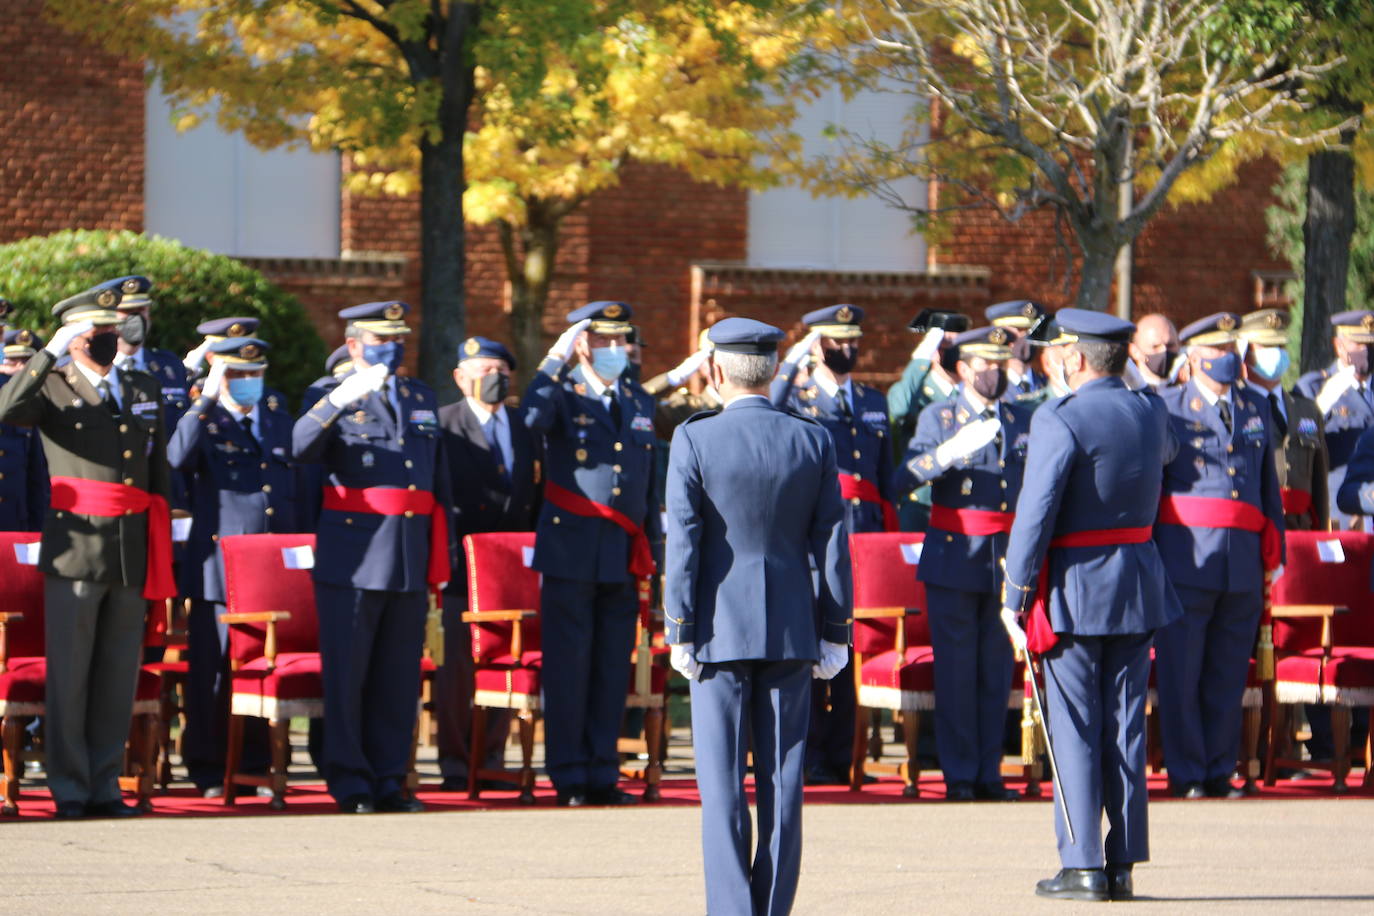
(1270, 362)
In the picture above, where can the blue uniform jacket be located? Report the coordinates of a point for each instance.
(169, 372)
(239, 484)
(862, 442)
(1096, 461)
(1343, 424)
(989, 479)
(1211, 462)
(586, 452)
(752, 500)
(23, 477)
(361, 445)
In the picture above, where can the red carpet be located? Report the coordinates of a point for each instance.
(35, 804)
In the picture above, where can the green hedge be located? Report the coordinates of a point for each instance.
(189, 286)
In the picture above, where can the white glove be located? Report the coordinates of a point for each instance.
(683, 370)
(834, 656)
(214, 381)
(929, 344)
(62, 338)
(359, 385)
(1014, 631)
(801, 348)
(196, 358)
(562, 349)
(967, 441)
(1335, 387)
(684, 660)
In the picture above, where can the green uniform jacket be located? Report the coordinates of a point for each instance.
(1301, 460)
(81, 438)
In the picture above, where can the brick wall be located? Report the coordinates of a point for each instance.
(71, 130)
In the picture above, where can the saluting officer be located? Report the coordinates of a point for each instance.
(381, 544)
(1294, 421)
(856, 417)
(214, 330)
(677, 401)
(928, 378)
(234, 446)
(1344, 392)
(752, 500)
(493, 467)
(163, 365)
(23, 472)
(598, 529)
(1018, 316)
(1220, 532)
(106, 543)
(972, 450)
(1085, 516)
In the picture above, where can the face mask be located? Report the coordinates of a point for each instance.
(134, 330)
(389, 354)
(1021, 350)
(1359, 361)
(245, 391)
(841, 360)
(990, 383)
(609, 362)
(1158, 363)
(493, 388)
(1270, 362)
(1059, 386)
(1221, 369)
(101, 348)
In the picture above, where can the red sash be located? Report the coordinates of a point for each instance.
(851, 487)
(641, 555)
(1297, 502)
(972, 522)
(395, 501)
(1215, 512)
(109, 500)
(1040, 635)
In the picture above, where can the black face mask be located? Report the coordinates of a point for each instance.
(1021, 350)
(841, 360)
(1159, 363)
(1359, 360)
(990, 383)
(134, 330)
(493, 388)
(101, 348)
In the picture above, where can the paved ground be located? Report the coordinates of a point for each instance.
(1276, 856)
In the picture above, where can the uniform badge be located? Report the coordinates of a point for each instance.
(581, 389)
(927, 463)
(642, 424)
(1195, 404)
(1307, 426)
(583, 420)
(272, 402)
(369, 459)
(472, 347)
(966, 487)
(167, 371)
(212, 429)
(963, 415)
(359, 416)
(581, 455)
(405, 391)
(1343, 411)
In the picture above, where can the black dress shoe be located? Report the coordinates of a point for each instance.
(112, 808)
(1075, 884)
(396, 803)
(959, 792)
(70, 811)
(357, 804)
(1120, 886)
(611, 796)
(1221, 788)
(995, 793)
(818, 774)
(572, 797)
(1189, 790)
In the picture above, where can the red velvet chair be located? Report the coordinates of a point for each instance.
(503, 610)
(274, 655)
(1323, 643)
(23, 679)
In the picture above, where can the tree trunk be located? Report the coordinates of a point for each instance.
(1326, 235)
(531, 252)
(1099, 265)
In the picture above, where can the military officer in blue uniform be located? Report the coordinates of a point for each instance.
(752, 503)
(23, 472)
(1344, 392)
(163, 365)
(1085, 515)
(377, 436)
(856, 417)
(598, 529)
(927, 378)
(1018, 316)
(234, 446)
(214, 330)
(1220, 527)
(972, 450)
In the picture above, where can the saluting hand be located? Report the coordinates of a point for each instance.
(967, 441)
(359, 385)
(683, 370)
(562, 349)
(1337, 385)
(196, 358)
(801, 348)
(214, 381)
(62, 338)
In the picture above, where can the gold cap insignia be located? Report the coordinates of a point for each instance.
(24, 338)
(1274, 320)
(130, 286)
(1367, 322)
(1028, 310)
(614, 310)
(998, 336)
(106, 299)
(845, 314)
(472, 347)
(250, 351)
(236, 330)
(1226, 323)
(394, 311)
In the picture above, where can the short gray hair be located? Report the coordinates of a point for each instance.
(746, 370)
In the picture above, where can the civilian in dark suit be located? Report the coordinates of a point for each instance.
(494, 466)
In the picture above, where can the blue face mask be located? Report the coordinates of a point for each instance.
(389, 354)
(1223, 369)
(609, 362)
(1270, 362)
(246, 391)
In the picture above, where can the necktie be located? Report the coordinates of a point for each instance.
(107, 396)
(1224, 408)
(247, 424)
(614, 408)
(1280, 423)
(494, 442)
(843, 397)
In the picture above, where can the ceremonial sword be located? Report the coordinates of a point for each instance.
(1049, 744)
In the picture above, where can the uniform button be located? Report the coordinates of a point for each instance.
(410, 487)
(124, 428)
(263, 465)
(855, 501)
(858, 454)
(59, 514)
(615, 491)
(128, 511)
(1230, 449)
(400, 442)
(128, 454)
(1001, 464)
(267, 488)
(1231, 471)
(555, 520)
(853, 431)
(616, 468)
(410, 513)
(409, 463)
(77, 424)
(2, 453)
(214, 537)
(270, 511)
(1004, 485)
(348, 521)
(1004, 507)
(858, 477)
(619, 446)
(949, 537)
(128, 481)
